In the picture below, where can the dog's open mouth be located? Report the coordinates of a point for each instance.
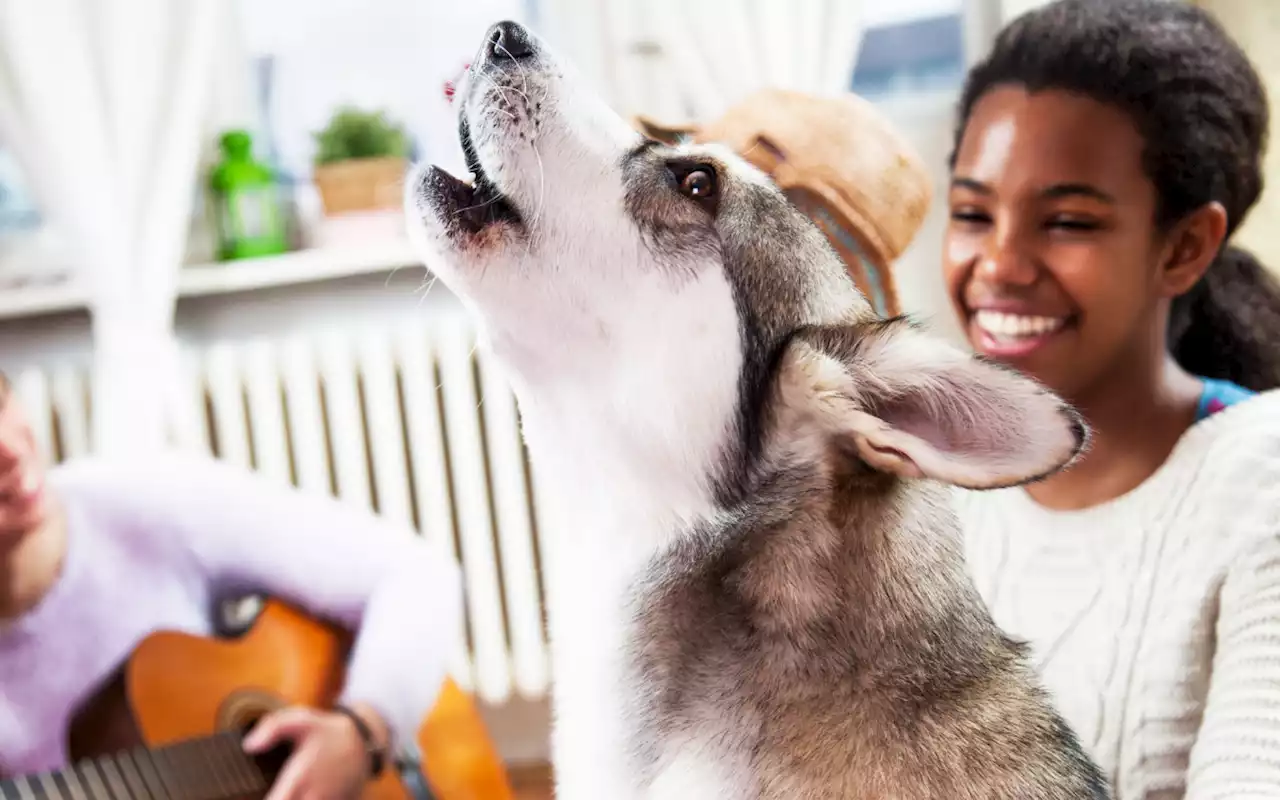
(475, 205)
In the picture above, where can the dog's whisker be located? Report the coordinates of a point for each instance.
(524, 76)
(521, 94)
(477, 206)
(508, 114)
(502, 90)
(542, 192)
(390, 275)
(542, 175)
(425, 288)
(489, 85)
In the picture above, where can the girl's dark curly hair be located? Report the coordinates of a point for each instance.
(1202, 110)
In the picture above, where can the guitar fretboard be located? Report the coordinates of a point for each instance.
(210, 768)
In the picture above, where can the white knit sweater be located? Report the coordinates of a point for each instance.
(1155, 618)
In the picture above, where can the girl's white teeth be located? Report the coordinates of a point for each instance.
(1014, 326)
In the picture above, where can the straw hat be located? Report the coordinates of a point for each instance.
(838, 160)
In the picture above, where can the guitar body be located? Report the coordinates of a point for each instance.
(182, 687)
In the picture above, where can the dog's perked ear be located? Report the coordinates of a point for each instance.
(914, 406)
(659, 132)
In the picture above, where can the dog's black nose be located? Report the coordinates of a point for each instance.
(509, 40)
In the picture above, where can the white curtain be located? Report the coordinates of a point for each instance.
(103, 103)
(682, 61)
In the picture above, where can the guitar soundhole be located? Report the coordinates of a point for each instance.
(242, 710)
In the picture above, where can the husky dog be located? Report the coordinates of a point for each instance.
(758, 587)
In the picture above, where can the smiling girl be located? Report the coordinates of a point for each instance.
(1105, 153)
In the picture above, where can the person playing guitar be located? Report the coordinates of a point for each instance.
(95, 556)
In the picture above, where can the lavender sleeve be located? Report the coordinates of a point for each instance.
(402, 596)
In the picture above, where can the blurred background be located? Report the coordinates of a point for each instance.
(201, 243)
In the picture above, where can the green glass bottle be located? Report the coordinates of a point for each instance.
(249, 215)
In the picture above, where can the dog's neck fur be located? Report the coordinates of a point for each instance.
(635, 471)
(911, 538)
(638, 416)
(651, 478)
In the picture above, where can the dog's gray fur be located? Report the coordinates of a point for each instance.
(829, 628)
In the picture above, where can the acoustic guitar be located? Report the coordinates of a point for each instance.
(168, 725)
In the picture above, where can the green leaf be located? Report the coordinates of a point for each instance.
(353, 133)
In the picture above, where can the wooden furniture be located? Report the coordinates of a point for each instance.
(168, 725)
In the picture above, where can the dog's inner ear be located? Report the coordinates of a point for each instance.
(916, 407)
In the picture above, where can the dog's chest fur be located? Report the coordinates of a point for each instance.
(609, 743)
(761, 654)
(695, 663)
(608, 543)
(737, 651)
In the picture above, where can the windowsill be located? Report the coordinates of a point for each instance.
(218, 278)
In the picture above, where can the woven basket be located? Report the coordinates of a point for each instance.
(361, 184)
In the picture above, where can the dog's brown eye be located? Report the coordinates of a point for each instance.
(699, 184)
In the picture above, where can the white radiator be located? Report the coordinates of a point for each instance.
(411, 422)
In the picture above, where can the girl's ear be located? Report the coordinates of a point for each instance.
(1193, 245)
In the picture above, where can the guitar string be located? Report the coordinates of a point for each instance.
(137, 789)
(216, 763)
(144, 760)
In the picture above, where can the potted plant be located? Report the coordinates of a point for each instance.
(360, 161)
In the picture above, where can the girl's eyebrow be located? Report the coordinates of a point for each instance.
(1077, 190)
(970, 184)
(1054, 192)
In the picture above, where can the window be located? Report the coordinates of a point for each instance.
(18, 211)
(918, 50)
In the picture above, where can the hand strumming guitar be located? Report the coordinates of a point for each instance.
(331, 759)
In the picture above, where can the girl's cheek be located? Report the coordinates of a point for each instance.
(960, 251)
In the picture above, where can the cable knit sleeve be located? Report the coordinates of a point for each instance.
(1237, 750)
